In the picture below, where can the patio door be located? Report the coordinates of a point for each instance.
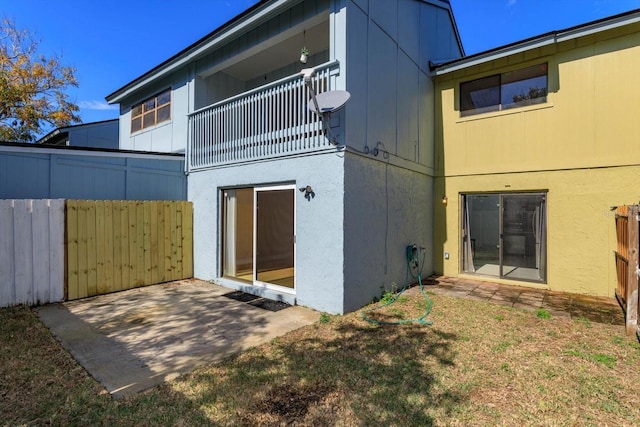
(258, 236)
(504, 235)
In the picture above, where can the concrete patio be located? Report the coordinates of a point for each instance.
(132, 340)
(558, 304)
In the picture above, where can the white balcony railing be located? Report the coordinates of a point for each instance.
(267, 122)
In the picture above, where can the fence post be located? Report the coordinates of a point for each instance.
(632, 275)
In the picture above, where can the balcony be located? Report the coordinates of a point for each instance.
(267, 122)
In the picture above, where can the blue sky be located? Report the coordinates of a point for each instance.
(111, 42)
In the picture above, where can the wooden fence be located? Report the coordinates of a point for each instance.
(627, 264)
(55, 250)
(31, 251)
(118, 245)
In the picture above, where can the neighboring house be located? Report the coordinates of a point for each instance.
(102, 134)
(29, 171)
(536, 142)
(237, 102)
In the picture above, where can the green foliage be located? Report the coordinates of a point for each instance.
(541, 313)
(387, 297)
(325, 318)
(32, 87)
(606, 359)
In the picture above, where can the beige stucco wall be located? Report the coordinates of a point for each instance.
(582, 146)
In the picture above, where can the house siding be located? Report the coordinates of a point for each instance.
(581, 146)
(387, 208)
(31, 172)
(389, 197)
(169, 136)
(319, 261)
(351, 237)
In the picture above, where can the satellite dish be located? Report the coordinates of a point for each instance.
(328, 102)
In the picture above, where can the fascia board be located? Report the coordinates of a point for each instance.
(82, 151)
(597, 28)
(493, 55)
(536, 42)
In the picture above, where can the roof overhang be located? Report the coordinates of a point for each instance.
(19, 147)
(538, 41)
(253, 16)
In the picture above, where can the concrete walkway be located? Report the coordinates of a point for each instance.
(558, 304)
(132, 340)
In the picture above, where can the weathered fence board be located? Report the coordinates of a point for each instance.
(627, 258)
(119, 245)
(31, 251)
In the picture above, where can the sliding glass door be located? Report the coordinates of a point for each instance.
(258, 235)
(274, 237)
(504, 235)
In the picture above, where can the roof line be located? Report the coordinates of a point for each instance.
(39, 147)
(185, 53)
(544, 39)
(65, 128)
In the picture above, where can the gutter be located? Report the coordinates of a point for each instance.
(546, 39)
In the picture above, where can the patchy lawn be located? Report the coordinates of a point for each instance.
(478, 364)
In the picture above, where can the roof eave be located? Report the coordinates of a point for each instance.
(598, 26)
(223, 33)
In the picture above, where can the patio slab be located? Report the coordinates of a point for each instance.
(133, 340)
(559, 304)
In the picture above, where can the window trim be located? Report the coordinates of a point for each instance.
(500, 107)
(462, 230)
(145, 111)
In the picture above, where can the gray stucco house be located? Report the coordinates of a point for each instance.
(279, 209)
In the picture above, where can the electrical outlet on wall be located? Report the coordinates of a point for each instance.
(446, 255)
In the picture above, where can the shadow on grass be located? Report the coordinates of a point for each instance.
(41, 384)
(347, 372)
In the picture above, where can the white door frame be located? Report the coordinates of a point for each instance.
(256, 282)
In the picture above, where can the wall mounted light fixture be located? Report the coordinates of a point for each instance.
(445, 200)
(308, 192)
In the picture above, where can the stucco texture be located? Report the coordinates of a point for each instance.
(319, 221)
(387, 208)
(581, 234)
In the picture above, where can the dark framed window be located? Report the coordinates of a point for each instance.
(154, 110)
(525, 86)
(505, 235)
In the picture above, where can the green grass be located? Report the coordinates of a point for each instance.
(606, 359)
(325, 318)
(478, 364)
(541, 313)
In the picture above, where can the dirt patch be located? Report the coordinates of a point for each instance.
(286, 404)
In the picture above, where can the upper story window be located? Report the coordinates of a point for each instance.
(149, 113)
(517, 88)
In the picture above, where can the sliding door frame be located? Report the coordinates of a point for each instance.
(541, 264)
(256, 282)
(222, 229)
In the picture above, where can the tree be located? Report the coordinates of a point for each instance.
(532, 97)
(32, 87)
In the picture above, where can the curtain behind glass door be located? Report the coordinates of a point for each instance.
(237, 234)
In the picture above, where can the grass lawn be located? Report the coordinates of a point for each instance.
(478, 364)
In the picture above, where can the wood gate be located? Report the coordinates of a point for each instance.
(117, 245)
(627, 266)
